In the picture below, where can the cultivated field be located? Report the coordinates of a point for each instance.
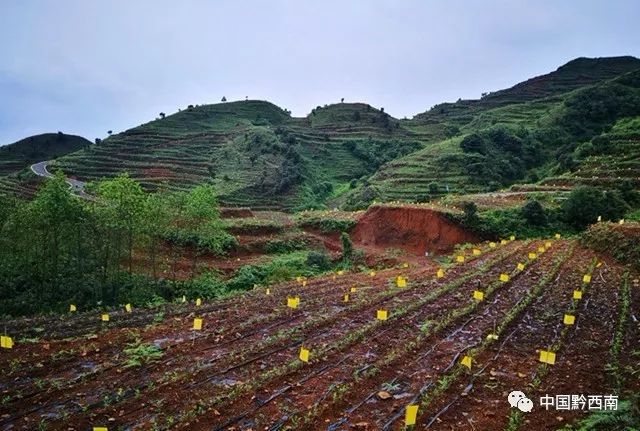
(149, 369)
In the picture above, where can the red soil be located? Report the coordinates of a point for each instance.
(158, 172)
(240, 212)
(414, 230)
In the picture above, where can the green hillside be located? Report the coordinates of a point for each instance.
(518, 143)
(537, 132)
(15, 159)
(252, 151)
(23, 153)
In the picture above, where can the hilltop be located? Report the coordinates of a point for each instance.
(15, 176)
(351, 154)
(19, 155)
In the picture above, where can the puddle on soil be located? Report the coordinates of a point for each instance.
(160, 342)
(224, 381)
(89, 365)
(54, 413)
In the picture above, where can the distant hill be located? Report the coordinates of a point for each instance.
(25, 152)
(350, 154)
(577, 73)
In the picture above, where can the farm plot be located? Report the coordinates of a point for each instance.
(351, 350)
(479, 400)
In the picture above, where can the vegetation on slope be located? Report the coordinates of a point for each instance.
(25, 152)
(351, 154)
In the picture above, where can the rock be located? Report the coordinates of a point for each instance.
(384, 395)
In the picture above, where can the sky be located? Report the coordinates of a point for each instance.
(85, 67)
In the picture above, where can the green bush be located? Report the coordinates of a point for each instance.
(347, 247)
(284, 245)
(319, 260)
(585, 204)
(534, 213)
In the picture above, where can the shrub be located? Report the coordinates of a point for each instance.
(319, 260)
(534, 213)
(347, 246)
(470, 217)
(585, 204)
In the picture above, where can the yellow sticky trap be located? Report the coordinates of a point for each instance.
(104, 317)
(492, 245)
(197, 324)
(6, 342)
(541, 249)
(292, 302)
(520, 266)
(304, 354)
(532, 256)
(198, 302)
(557, 236)
(353, 289)
(411, 415)
(577, 294)
(476, 252)
(599, 219)
(100, 429)
(440, 273)
(569, 319)
(512, 237)
(477, 295)
(547, 357)
(128, 308)
(268, 291)
(460, 258)
(492, 337)
(340, 272)
(346, 298)
(504, 278)
(72, 308)
(381, 315)
(621, 221)
(401, 282)
(503, 242)
(466, 361)
(586, 279)
(372, 273)
(405, 265)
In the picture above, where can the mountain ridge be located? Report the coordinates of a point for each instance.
(347, 154)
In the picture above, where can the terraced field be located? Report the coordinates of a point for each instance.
(237, 146)
(149, 369)
(617, 159)
(351, 154)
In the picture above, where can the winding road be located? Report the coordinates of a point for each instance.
(40, 169)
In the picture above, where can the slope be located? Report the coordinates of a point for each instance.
(351, 154)
(21, 154)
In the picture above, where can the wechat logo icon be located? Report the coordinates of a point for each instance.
(520, 401)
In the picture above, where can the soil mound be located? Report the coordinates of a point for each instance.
(413, 229)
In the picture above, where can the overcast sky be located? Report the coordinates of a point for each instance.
(85, 67)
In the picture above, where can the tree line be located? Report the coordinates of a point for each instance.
(59, 249)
